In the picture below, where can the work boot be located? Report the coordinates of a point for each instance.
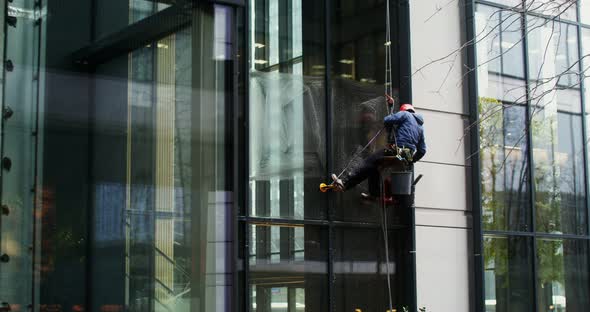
(388, 200)
(368, 197)
(337, 183)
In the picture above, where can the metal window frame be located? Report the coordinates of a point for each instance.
(479, 233)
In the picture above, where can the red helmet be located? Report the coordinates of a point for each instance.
(407, 107)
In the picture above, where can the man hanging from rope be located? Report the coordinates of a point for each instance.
(405, 143)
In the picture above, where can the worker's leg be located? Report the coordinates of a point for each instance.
(367, 169)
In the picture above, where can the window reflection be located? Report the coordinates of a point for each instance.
(565, 9)
(500, 54)
(361, 270)
(556, 129)
(508, 279)
(562, 277)
(502, 112)
(288, 268)
(286, 109)
(19, 90)
(504, 167)
(357, 103)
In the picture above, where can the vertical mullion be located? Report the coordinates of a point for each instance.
(532, 186)
(584, 124)
(475, 165)
(246, 195)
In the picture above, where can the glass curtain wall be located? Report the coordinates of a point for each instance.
(313, 103)
(532, 97)
(117, 173)
(19, 148)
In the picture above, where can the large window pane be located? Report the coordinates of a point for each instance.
(360, 270)
(508, 274)
(553, 55)
(504, 166)
(286, 109)
(358, 105)
(288, 268)
(556, 128)
(20, 90)
(562, 275)
(500, 54)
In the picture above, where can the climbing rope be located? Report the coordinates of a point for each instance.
(388, 91)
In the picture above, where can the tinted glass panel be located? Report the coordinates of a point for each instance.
(553, 55)
(286, 109)
(556, 128)
(504, 167)
(508, 275)
(358, 105)
(500, 54)
(20, 90)
(559, 173)
(288, 268)
(360, 270)
(562, 275)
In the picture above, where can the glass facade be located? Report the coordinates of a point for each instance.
(315, 95)
(166, 156)
(533, 155)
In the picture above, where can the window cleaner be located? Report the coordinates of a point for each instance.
(406, 145)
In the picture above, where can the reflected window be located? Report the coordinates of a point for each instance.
(288, 268)
(562, 275)
(556, 125)
(361, 270)
(504, 166)
(500, 54)
(508, 282)
(286, 109)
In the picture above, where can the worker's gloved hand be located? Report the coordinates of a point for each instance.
(389, 99)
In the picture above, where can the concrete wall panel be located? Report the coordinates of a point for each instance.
(442, 277)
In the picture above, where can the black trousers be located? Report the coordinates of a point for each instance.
(369, 169)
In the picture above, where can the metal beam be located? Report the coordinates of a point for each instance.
(135, 36)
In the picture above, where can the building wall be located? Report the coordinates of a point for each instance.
(443, 212)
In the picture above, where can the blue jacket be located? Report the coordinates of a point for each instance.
(408, 131)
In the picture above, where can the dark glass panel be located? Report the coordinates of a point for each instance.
(360, 269)
(287, 157)
(358, 104)
(562, 275)
(508, 274)
(288, 268)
